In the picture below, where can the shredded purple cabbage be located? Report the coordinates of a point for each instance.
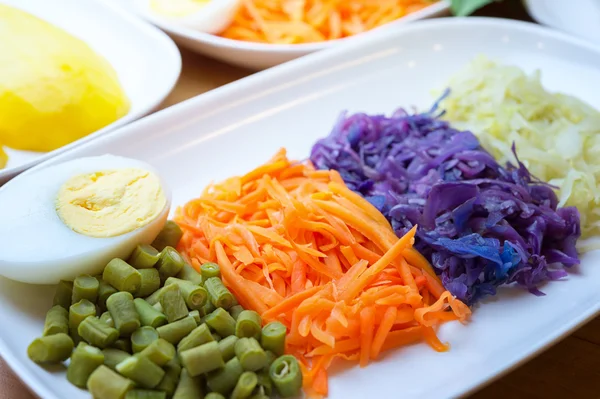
(481, 225)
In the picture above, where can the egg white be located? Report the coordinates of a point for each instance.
(37, 247)
(212, 18)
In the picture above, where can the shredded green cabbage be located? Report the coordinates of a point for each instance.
(557, 136)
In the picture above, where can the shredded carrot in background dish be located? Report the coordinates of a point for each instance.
(309, 21)
(296, 245)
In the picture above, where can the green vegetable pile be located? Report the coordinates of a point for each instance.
(155, 328)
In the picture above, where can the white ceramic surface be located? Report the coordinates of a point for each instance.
(235, 128)
(578, 17)
(258, 56)
(146, 60)
(211, 18)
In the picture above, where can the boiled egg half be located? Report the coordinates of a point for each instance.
(208, 16)
(72, 218)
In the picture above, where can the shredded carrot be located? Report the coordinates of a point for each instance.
(322, 261)
(308, 21)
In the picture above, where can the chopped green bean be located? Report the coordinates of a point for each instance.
(174, 332)
(149, 284)
(248, 324)
(145, 394)
(79, 311)
(190, 274)
(200, 335)
(218, 294)
(123, 344)
(245, 385)
(153, 299)
(113, 356)
(196, 315)
(270, 358)
(122, 276)
(214, 395)
(227, 347)
(286, 376)
(264, 382)
(259, 395)
(172, 303)
(235, 311)
(142, 337)
(223, 380)
(160, 352)
(273, 337)
(221, 322)
(149, 316)
(194, 295)
(209, 269)
(57, 321)
(202, 359)
(189, 387)
(107, 318)
(171, 378)
(104, 291)
(169, 236)
(84, 361)
(158, 306)
(122, 310)
(144, 256)
(63, 294)
(85, 287)
(216, 337)
(251, 354)
(208, 308)
(97, 333)
(169, 264)
(107, 384)
(142, 371)
(50, 349)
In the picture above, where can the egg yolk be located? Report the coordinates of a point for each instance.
(110, 203)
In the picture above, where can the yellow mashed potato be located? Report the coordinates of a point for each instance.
(54, 89)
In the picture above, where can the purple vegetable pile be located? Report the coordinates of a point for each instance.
(481, 225)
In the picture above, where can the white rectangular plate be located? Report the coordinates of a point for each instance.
(145, 59)
(235, 128)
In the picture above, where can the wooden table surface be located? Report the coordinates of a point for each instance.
(570, 369)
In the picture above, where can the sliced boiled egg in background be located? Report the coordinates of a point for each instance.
(49, 231)
(209, 16)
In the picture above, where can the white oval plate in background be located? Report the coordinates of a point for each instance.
(580, 18)
(233, 129)
(258, 56)
(146, 60)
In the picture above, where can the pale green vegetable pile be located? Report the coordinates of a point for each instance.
(557, 136)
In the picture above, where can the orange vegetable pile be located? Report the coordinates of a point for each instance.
(296, 245)
(308, 21)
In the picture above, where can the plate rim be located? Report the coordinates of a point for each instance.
(167, 47)
(290, 69)
(442, 6)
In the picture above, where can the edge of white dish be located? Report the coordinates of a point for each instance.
(217, 98)
(171, 59)
(259, 56)
(582, 21)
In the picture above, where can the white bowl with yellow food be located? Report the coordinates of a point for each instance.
(72, 70)
(74, 217)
